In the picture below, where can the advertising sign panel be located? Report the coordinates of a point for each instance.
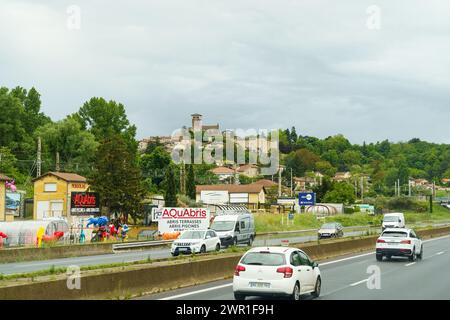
(180, 219)
(214, 197)
(13, 200)
(84, 203)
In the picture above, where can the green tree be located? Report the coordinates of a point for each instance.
(170, 187)
(117, 177)
(190, 182)
(322, 189)
(77, 147)
(106, 118)
(325, 168)
(7, 162)
(342, 192)
(301, 161)
(154, 165)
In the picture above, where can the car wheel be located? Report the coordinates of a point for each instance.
(174, 254)
(217, 247)
(379, 257)
(389, 257)
(239, 296)
(413, 255)
(317, 288)
(203, 249)
(420, 255)
(296, 292)
(250, 241)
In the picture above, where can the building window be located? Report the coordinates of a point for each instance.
(50, 187)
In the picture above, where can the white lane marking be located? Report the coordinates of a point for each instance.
(198, 291)
(345, 259)
(359, 282)
(320, 264)
(439, 253)
(434, 239)
(410, 264)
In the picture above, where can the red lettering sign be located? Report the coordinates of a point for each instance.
(183, 213)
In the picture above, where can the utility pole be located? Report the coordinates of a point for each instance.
(434, 189)
(398, 189)
(291, 182)
(38, 161)
(182, 179)
(279, 180)
(362, 188)
(57, 162)
(395, 189)
(409, 187)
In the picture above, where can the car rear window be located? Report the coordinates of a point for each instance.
(264, 259)
(395, 234)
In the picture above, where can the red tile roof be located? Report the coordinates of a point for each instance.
(222, 170)
(232, 188)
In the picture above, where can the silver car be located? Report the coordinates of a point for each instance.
(330, 230)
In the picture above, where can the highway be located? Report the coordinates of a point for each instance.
(130, 256)
(156, 253)
(346, 279)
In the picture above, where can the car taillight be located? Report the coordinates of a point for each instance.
(238, 269)
(287, 271)
(380, 241)
(406, 241)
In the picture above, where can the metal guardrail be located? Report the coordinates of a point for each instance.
(140, 244)
(153, 243)
(310, 230)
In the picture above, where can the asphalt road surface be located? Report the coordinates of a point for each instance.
(346, 278)
(130, 256)
(157, 253)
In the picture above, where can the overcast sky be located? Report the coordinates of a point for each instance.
(242, 63)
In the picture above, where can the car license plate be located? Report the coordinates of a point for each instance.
(182, 249)
(325, 234)
(392, 243)
(259, 285)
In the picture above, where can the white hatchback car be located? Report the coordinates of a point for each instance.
(195, 241)
(276, 271)
(399, 242)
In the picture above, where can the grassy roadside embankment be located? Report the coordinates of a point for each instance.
(269, 222)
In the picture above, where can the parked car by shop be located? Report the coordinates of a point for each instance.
(330, 230)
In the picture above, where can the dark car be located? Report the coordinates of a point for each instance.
(330, 230)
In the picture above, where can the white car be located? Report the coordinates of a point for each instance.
(195, 241)
(276, 271)
(399, 242)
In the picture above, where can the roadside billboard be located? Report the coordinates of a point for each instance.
(84, 203)
(214, 197)
(13, 202)
(180, 219)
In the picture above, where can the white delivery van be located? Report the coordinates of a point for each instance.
(393, 220)
(233, 229)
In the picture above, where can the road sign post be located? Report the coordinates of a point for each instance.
(306, 199)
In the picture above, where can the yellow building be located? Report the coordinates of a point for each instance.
(3, 215)
(52, 195)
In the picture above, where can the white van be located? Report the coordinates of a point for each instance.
(393, 220)
(233, 229)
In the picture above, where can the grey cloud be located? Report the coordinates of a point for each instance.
(243, 64)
